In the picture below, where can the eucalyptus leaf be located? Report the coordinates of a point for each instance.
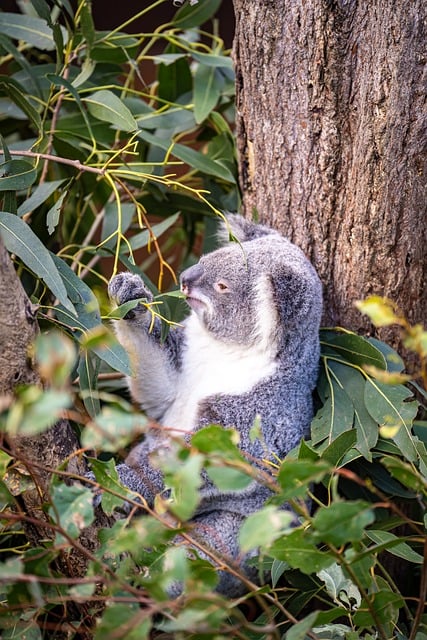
(262, 528)
(300, 551)
(72, 505)
(174, 80)
(19, 96)
(191, 16)
(295, 476)
(21, 240)
(108, 107)
(40, 194)
(184, 478)
(52, 217)
(88, 318)
(299, 630)
(16, 175)
(335, 416)
(389, 406)
(342, 522)
(207, 90)
(142, 238)
(193, 158)
(88, 371)
(394, 545)
(30, 29)
(353, 348)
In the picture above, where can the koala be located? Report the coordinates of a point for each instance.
(248, 349)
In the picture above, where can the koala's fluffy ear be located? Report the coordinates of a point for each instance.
(241, 229)
(297, 297)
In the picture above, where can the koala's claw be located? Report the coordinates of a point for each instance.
(125, 287)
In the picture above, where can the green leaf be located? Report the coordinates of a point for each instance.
(406, 473)
(299, 630)
(108, 107)
(295, 476)
(87, 25)
(217, 440)
(20, 239)
(384, 603)
(52, 217)
(16, 175)
(108, 478)
(43, 10)
(340, 588)
(113, 429)
(174, 80)
(213, 60)
(394, 545)
(41, 409)
(352, 348)
(184, 477)
(123, 622)
(337, 452)
(298, 549)
(88, 318)
(40, 194)
(18, 95)
(206, 92)
(88, 371)
(193, 158)
(342, 522)
(142, 238)
(354, 385)
(388, 405)
(393, 360)
(30, 29)
(335, 417)
(228, 479)
(191, 16)
(72, 505)
(262, 528)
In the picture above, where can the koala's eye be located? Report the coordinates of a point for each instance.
(221, 286)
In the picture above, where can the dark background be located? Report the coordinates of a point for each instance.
(108, 14)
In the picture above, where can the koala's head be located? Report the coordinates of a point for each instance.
(261, 291)
(219, 289)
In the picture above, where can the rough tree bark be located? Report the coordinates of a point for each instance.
(332, 136)
(42, 454)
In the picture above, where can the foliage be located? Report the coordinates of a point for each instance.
(98, 163)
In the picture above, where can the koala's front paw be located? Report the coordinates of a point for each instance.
(126, 287)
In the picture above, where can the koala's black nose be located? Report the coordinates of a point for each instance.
(190, 276)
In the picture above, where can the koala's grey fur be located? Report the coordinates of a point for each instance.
(250, 347)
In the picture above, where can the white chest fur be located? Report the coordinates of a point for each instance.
(211, 367)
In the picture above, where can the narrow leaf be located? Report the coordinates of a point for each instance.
(108, 107)
(191, 16)
(30, 29)
(40, 194)
(17, 94)
(206, 92)
(16, 175)
(21, 240)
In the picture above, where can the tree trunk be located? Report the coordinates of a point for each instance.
(41, 454)
(332, 142)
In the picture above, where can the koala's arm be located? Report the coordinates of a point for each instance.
(155, 364)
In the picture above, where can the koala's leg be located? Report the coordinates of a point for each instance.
(154, 363)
